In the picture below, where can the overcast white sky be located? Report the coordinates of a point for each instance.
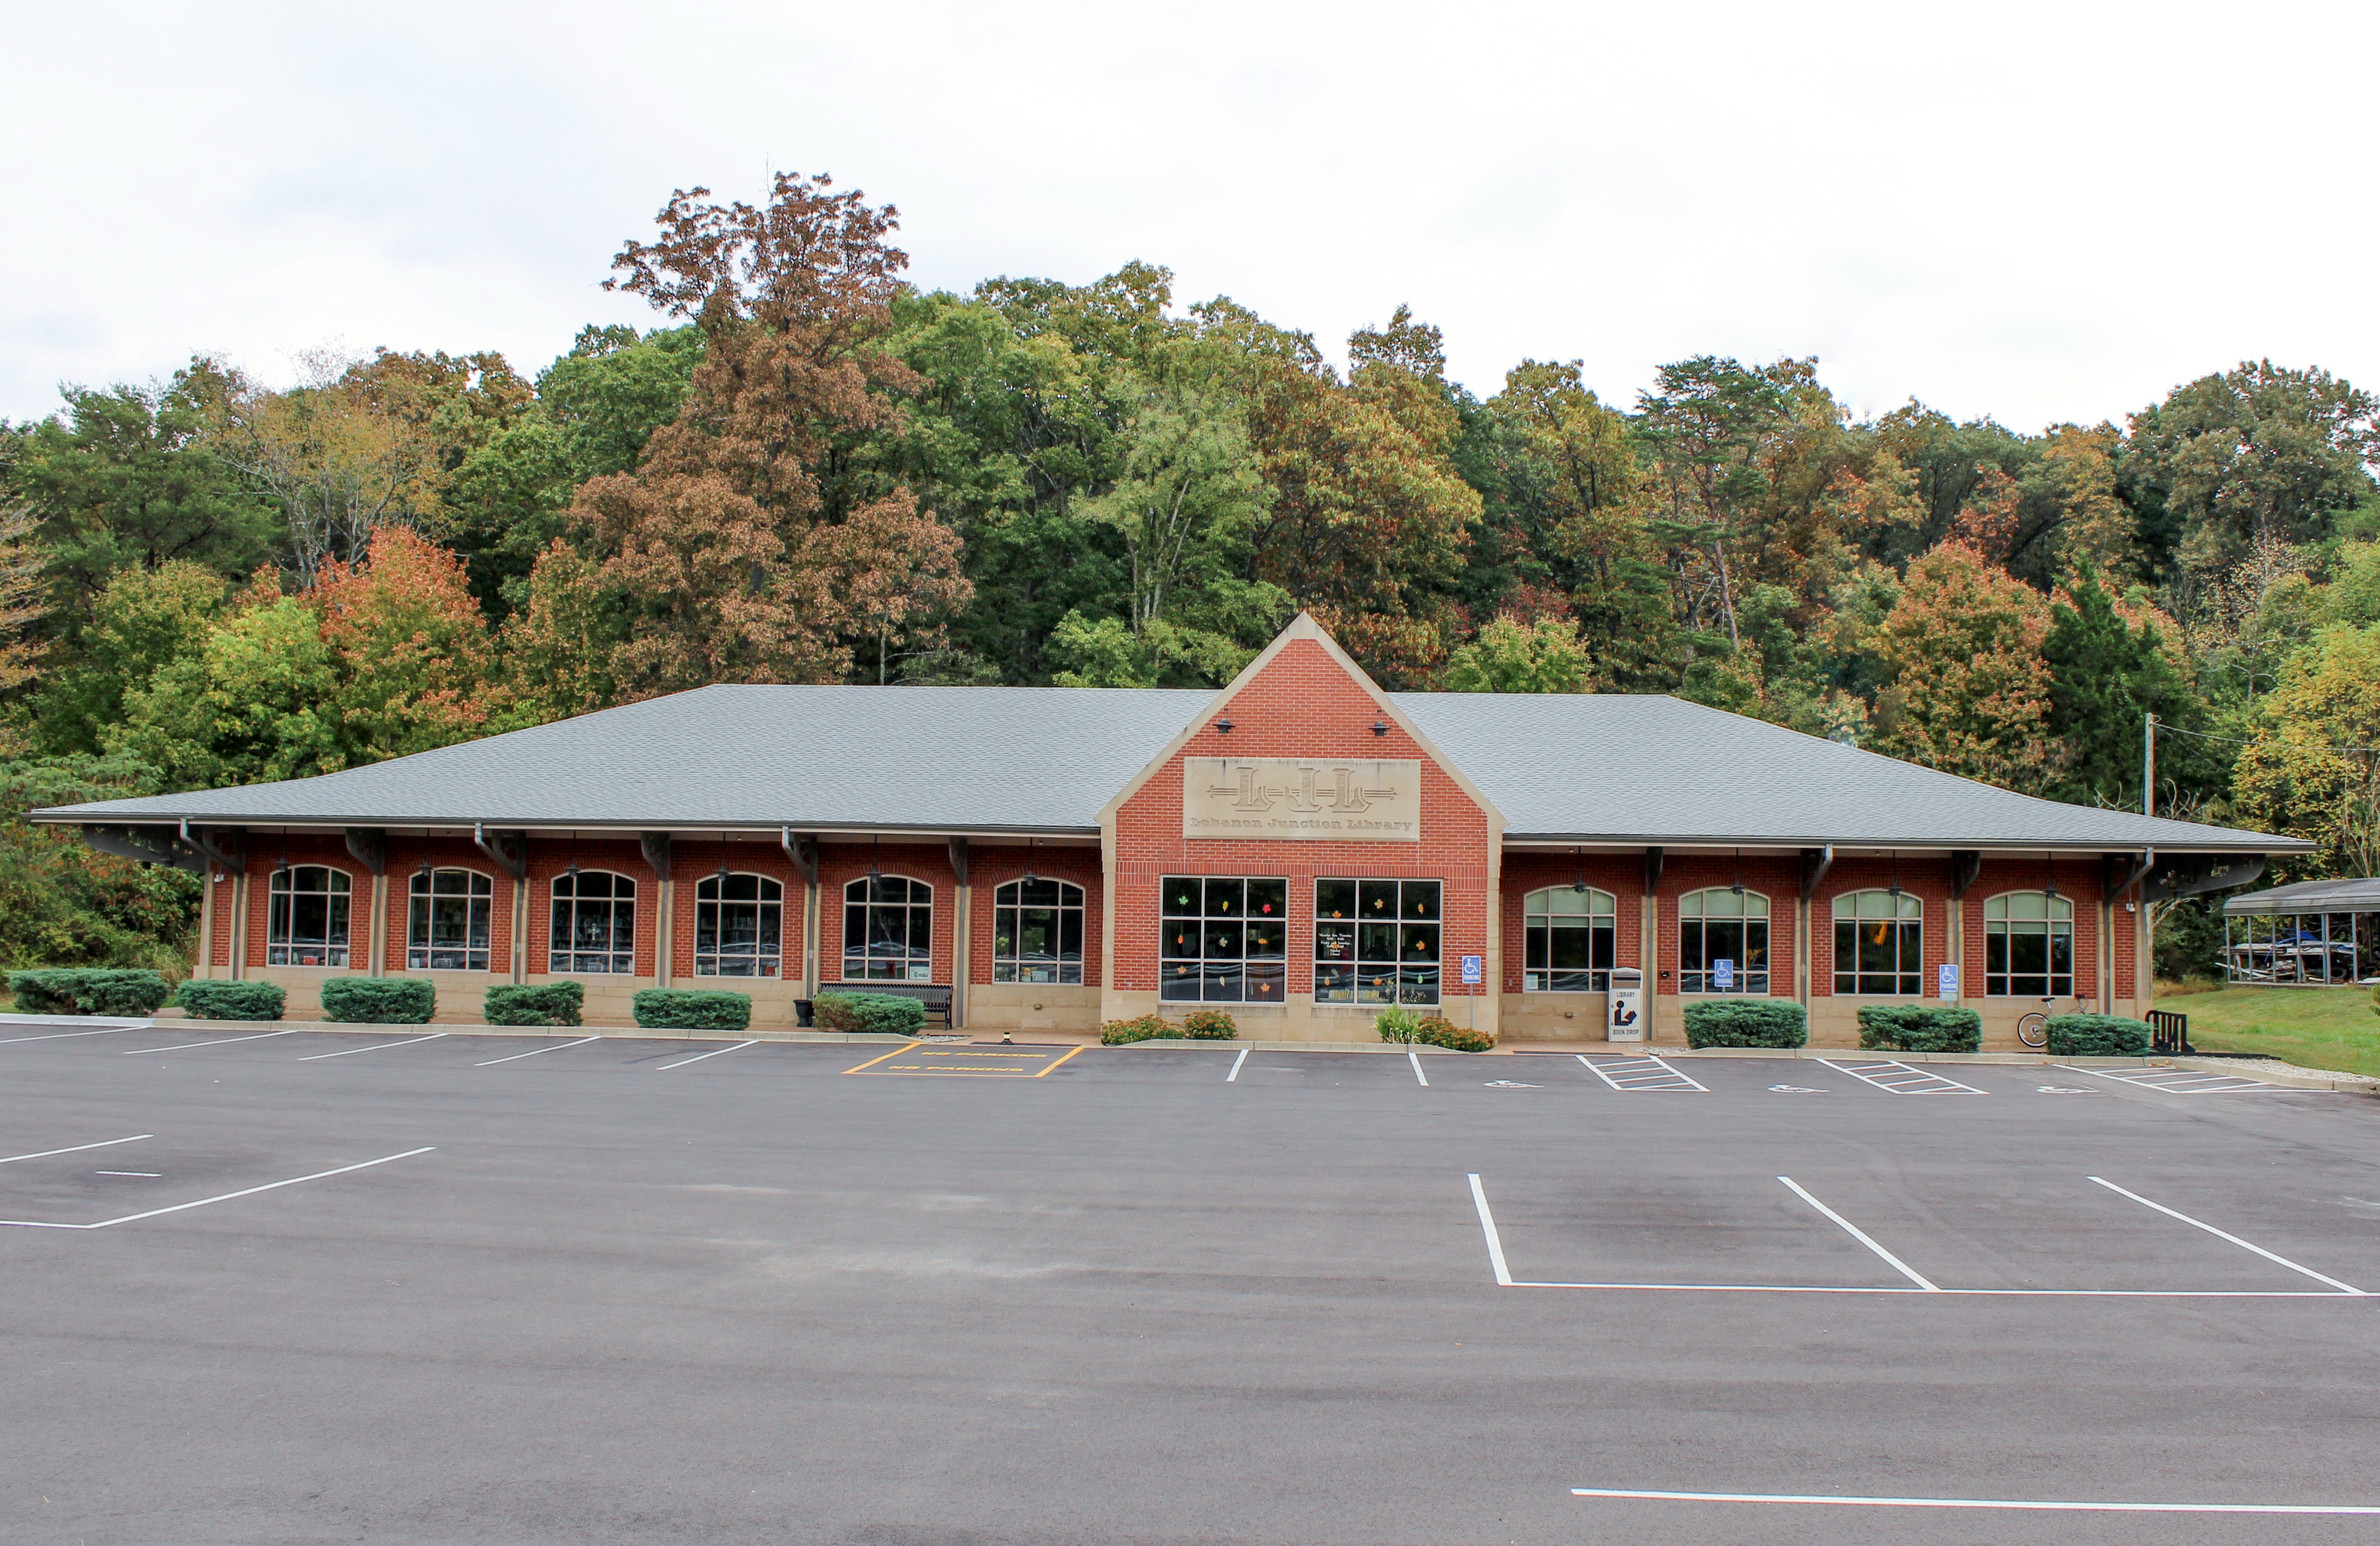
(2039, 212)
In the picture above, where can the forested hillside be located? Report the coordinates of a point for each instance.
(808, 470)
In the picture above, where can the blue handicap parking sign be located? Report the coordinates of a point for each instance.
(1723, 973)
(1474, 969)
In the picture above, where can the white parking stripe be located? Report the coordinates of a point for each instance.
(2235, 1240)
(1504, 1278)
(1860, 1235)
(1900, 1078)
(518, 1055)
(226, 1197)
(1234, 1077)
(62, 1036)
(699, 1056)
(2036, 1505)
(193, 1047)
(1415, 1058)
(79, 1148)
(401, 1041)
(1645, 1073)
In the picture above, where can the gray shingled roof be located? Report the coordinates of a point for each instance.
(1561, 767)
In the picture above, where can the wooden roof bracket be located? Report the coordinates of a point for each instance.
(1815, 862)
(1966, 863)
(514, 864)
(803, 850)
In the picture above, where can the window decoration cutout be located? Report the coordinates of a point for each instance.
(449, 920)
(888, 930)
(1879, 943)
(306, 917)
(594, 924)
(1037, 932)
(1723, 941)
(2028, 945)
(1568, 939)
(1223, 940)
(1376, 941)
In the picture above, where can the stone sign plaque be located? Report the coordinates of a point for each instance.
(1318, 798)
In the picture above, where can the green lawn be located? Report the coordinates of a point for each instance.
(2315, 1028)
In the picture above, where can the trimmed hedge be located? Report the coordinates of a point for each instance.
(536, 1004)
(2097, 1036)
(379, 1000)
(695, 1009)
(1401, 1024)
(1747, 1022)
(212, 1001)
(872, 1014)
(1920, 1028)
(74, 990)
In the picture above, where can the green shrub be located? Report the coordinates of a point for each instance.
(1147, 1028)
(379, 1000)
(63, 990)
(2097, 1036)
(1397, 1023)
(871, 1014)
(1920, 1028)
(1747, 1022)
(213, 1000)
(536, 1004)
(1209, 1025)
(695, 1009)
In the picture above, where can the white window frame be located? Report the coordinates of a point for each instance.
(478, 897)
(765, 956)
(337, 891)
(916, 966)
(1009, 964)
(565, 955)
(2057, 918)
(1568, 909)
(1693, 919)
(1904, 918)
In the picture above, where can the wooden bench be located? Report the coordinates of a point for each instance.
(936, 996)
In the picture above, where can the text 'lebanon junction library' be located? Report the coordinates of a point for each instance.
(1300, 847)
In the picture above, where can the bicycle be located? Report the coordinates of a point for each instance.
(2033, 1029)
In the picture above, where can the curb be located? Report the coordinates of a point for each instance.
(543, 1033)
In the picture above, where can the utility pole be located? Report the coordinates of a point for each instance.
(2148, 764)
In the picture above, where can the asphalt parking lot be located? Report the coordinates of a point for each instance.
(298, 1288)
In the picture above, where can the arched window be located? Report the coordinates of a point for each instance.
(448, 929)
(305, 918)
(2028, 945)
(1722, 941)
(887, 929)
(594, 923)
(1879, 943)
(739, 927)
(1570, 932)
(1037, 932)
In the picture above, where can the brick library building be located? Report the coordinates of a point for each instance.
(1300, 848)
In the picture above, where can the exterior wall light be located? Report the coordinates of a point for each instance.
(1224, 724)
(1380, 727)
